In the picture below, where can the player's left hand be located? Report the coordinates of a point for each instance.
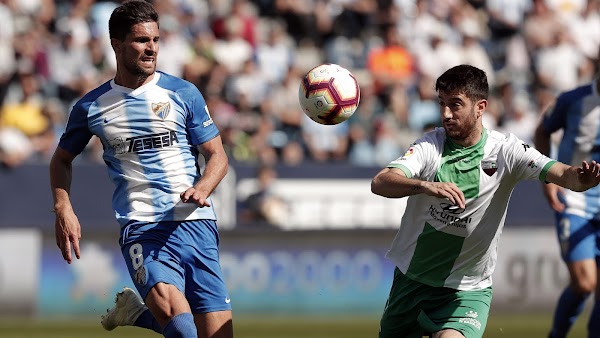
(589, 174)
(193, 195)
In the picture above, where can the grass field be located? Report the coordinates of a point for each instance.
(499, 326)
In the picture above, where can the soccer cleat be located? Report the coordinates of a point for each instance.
(128, 307)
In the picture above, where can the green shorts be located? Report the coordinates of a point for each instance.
(414, 310)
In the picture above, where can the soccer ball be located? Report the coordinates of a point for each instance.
(329, 94)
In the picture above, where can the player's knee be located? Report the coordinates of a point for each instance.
(181, 326)
(584, 286)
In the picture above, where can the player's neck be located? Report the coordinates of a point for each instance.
(472, 139)
(132, 81)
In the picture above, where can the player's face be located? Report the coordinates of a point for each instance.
(138, 52)
(461, 117)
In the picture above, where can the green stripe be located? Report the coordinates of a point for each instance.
(545, 170)
(434, 256)
(403, 168)
(460, 165)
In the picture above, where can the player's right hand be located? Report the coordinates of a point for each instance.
(67, 232)
(552, 193)
(447, 190)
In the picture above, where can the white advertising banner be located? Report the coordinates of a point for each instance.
(20, 254)
(530, 273)
(313, 204)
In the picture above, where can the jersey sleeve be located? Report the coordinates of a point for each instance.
(200, 125)
(77, 133)
(417, 160)
(525, 162)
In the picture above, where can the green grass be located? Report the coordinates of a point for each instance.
(499, 326)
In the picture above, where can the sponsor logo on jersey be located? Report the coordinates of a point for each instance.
(210, 120)
(161, 109)
(154, 141)
(489, 167)
(470, 318)
(446, 214)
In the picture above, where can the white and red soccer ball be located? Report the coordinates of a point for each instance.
(329, 94)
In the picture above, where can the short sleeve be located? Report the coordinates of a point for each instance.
(417, 161)
(77, 133)
(525, 162)
(199, 123)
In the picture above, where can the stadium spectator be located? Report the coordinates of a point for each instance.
(168, 236)
(284, 34)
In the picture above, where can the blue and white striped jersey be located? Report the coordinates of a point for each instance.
(149, 135)
(577, 113)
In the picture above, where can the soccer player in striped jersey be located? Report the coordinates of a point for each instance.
(458, 180)
(577, 114)
(153, 127)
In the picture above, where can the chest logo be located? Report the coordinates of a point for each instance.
(489, 167)
(161, 109)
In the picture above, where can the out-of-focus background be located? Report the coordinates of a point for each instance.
(302, 236)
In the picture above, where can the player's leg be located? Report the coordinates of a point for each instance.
(217, 324)
(172, 311)
(152, 254)
(205, 286)
(577, 242)
(457, 314)
(594, 322)
(399, 317)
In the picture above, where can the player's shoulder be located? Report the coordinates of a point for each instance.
(500, 137)
(174, 83)
(435, 136)
(576, 93)
(90, 97)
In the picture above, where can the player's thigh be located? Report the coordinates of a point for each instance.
(449, 333)
(465, 312)
(218, 324)
(577, 236)
(402, 308)
(152, 257)
(205, 286)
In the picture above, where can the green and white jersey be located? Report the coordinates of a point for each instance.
(439, 244)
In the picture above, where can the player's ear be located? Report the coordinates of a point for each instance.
(480, 107)
(115, 44)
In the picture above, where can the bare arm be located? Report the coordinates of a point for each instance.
(393, 183)
(551, 191)
(67, 229)
(575, 178)
(216, 168)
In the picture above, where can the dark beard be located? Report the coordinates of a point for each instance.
(134, 69)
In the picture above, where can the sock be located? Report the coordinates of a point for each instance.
(567, 310)
(147, 321)
(181, 326)
(594, 323)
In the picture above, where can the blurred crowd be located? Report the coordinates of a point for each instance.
(247, 57)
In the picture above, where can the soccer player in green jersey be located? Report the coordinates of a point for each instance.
(458, 180)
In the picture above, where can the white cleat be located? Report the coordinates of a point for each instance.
(128, 307)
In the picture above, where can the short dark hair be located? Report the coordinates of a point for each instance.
(466, 79)
(128, 14)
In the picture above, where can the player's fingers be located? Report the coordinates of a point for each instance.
(66, 251)
(75, 242)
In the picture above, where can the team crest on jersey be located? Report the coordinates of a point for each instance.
(161, 109)
(489, 167)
